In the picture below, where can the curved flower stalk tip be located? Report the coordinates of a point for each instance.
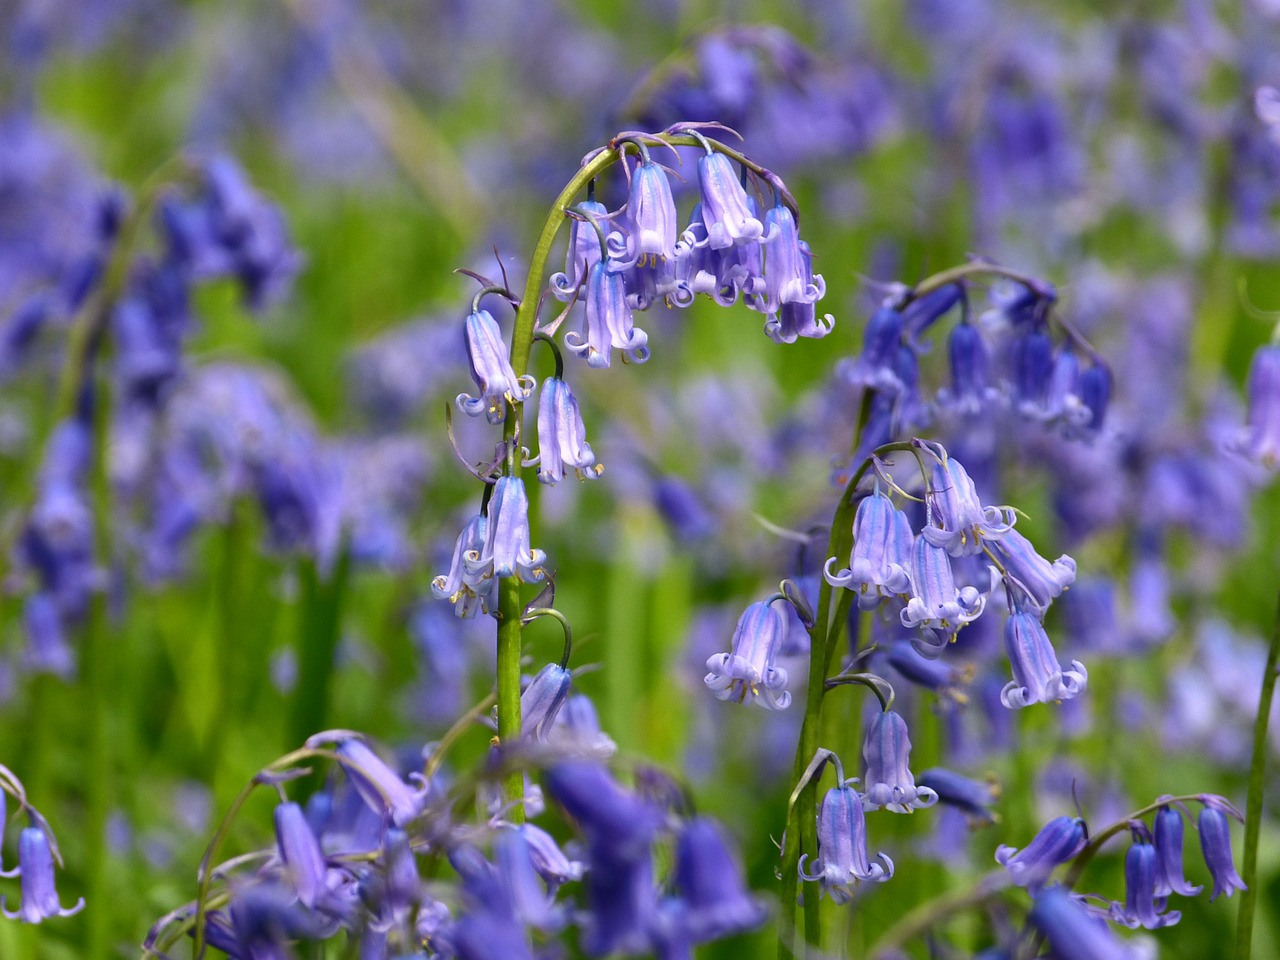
(748, 672)
(487, 354)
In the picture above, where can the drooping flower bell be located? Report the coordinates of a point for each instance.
(937, 606)
(957, 518)
(39, 894)
(1036, 580)
(1037, 675)
(1260, 440)
(972, 797)
(874, 366)
(650, 227)
(712, 897)
(726, 209)
(842, 857)
(1215, 844)
(584, 250)
(467, 594)
(748, 673)
(1058, 841)
(1142, 905)
(970, 392)
(542, 699)
(609, 323)
(1168, 839)
(491, 370)
(886, 751)
(1072, 931)
(562, 438)
(880, 561)
(506, 551)
(378, 785)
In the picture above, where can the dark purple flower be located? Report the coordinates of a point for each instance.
(971, 391)
(39, 894)
(1057, 842)
(874, 367)
(1168, 841)
(1215, 844)
(886, 751)
(300, 851)
(378, 785)
(1142, 905)
(1072, 932)
(712, 900)
(748, 672)
(615, 821)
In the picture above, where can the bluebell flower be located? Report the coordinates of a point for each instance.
(650, 227)
(687, 517)
(842, 846)
(712, 900)
(608, 321)
(39, 894)
(616, 821)
(1036, 580)
(1072, 932)
(748, 672)
(728, 216)
(874, 367)
(1032, 372)
(886, 752)
(957, 518)
(491, 370)
(1215, 844)
(798, 318)
(533, 905)
(506, 551)
(584, 251)
(1037, 675)
(971, 391)
(937, 606)
(923, 312)
(542, 699)
(562, 438)
(719, 274)
(577, 727)
(468, 594)
(1095, 393)
(944, 679)
(548, 859)
(622, 902)
(1058, 841)
(377, 784)
(300, 852)
(880, 561)
(1167, 830)
(788, 272)
(1142, 905)
(1260, 440)
(391, 887)
(974, 798)
(47, 650)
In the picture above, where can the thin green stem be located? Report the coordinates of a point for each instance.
(1253, 807)
(509, 648)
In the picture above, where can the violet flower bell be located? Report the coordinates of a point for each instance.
(584, 250)
(1037, 675)
(1058, 841)
(937, 606)
(39, 894)
(727, 212)
(505, 551)
(1260, 440)
(842, 846)
(562, 437)
(491, 369)
(1072, 931)
(712, 896)
(970, 392)
(973, 798)
(1170, 878)
(467, 594)
(609, 323)
(542, 699)
(378, 785)
(881, 555)
(301, 854)
(874, 367)
(957, 518)
(886, 752)
(748, 673)
(650, 226)
(1142, 906)
(1036, 580)
(1215, 844)
(788, 279)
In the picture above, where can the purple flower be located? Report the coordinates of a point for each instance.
(727, 212)
(886, 751)
(798, 318)
(1072, 932)
(957, 518)
(931, 673)
(1057, 842)
(609, 322)
(712, 898)
(39, 894)
(971, 391)
(465, 593)
(1142, 906)
(541, 700)
(577, 727)
(562, 438)
(747, 672)
(615, 821)
(1215, 844)
(584, 251)
(936, 604)
(548, 859)
(788, 271)
(881, 556)
(1168, 840)
(491, 370)
(650, 224)
(377, 784)
(300, 851)
(875, 366)
(842, 846)
(973, 797)
(1260, 440)
(1037, 675)
(506, 551)
(1036, 580)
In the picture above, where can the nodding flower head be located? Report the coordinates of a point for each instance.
(881, 556)
(562, 437)
(1037, 675)
(1072, 931)
(39, 895)
(1035, 580)
(970, 392)
(1168, 838)
(584, 250)
(650, 226)
(1260, 440)
(467, 593)
(957, 518)
(1057, 842)
(886, 750)
(491, 370)
(1142, 905)
(542, 699)
(728, 216)
(506, 551)
(937, 605)
(609, 321)
(1215, 844)
(875, 365)
(713, 900)
(747, 673)
(972, 797)
(788, 270)
(378, 785)
(842, 845)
